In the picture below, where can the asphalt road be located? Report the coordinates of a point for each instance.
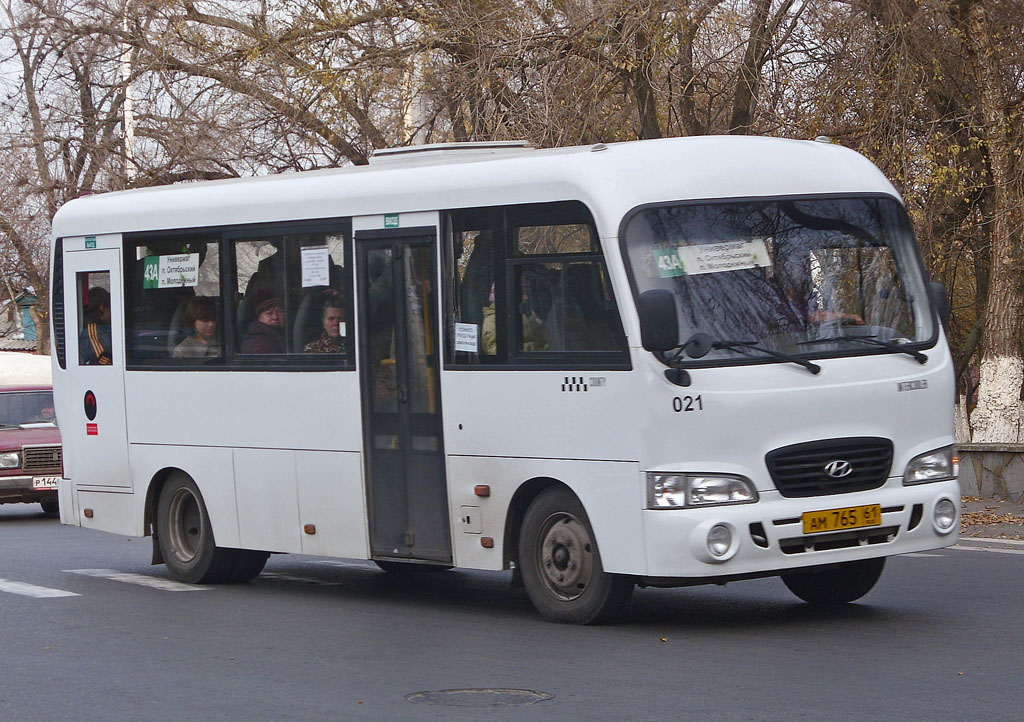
(939, 638)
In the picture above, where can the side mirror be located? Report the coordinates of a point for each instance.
(659, 324)
(937, 291)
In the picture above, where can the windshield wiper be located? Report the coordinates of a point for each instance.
(700, 344)
(872, 341)
(754, 346)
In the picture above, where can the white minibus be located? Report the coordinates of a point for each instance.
(657, 363)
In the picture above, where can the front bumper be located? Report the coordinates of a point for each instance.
(22, 489)
(768, 535)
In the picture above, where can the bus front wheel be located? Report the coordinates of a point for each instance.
(845, 583)
(187, 543)
(561, 566)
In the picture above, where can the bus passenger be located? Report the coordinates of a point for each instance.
(266, 332)
(94, 342)
(331, 340)
(201, 321)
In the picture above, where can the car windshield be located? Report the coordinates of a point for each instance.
(804, 277)
(26, 407)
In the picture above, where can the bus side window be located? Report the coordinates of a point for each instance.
(321, 321)
(475, 302)
(293, 294)
(566, 303)
(95, 346)
(476, 291)
(170, 282)
(262, 314)
(527, 282)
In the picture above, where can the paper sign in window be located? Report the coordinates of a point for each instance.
(467, 337)
(316, 266)
(720, 257)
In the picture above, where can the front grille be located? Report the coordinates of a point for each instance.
(41, 458)
(800, 470)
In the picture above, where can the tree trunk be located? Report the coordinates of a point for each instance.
(748, 80)
(997, 417)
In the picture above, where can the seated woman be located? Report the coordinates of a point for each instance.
(266, 332)
(201, 321)
(331, 340)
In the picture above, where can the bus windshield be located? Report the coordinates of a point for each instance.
(804, 277)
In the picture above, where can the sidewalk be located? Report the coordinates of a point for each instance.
(991, 518)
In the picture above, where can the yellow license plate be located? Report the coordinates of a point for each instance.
(850, 517)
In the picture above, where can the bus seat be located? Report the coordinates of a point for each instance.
(176, 330)
(307, 326)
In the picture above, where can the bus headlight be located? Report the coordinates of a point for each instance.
(10, 460)
(675, 491)
(938, 465)
(666, 491)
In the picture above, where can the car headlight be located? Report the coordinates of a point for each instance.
(10, 460)
(938, 465)
(675, 491)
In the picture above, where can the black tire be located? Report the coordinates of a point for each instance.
(839, 585)
(186, 537)
(50, 507)
(396, 567)
(561, 565)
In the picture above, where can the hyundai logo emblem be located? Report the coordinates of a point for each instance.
(838, 468)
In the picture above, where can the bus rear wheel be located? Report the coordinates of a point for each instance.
(561, 566)
(845, 583)
(187, 543)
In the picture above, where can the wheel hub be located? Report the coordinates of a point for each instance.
(185, 525)
(565, 556)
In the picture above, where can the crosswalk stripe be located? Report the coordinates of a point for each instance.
(31, 590)
(142, 580)
(990, 540)
(987, 549)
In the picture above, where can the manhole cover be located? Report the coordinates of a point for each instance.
(478, 697)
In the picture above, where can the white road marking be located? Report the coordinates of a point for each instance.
(921, 554)
(142, 580)
(31, 590)
(988, 549)
(987, 540)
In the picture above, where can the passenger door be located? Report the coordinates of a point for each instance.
(399, 357)
(96, 429)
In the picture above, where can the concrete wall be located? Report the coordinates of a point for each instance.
(992, 471)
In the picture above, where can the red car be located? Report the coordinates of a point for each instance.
(30, 451)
